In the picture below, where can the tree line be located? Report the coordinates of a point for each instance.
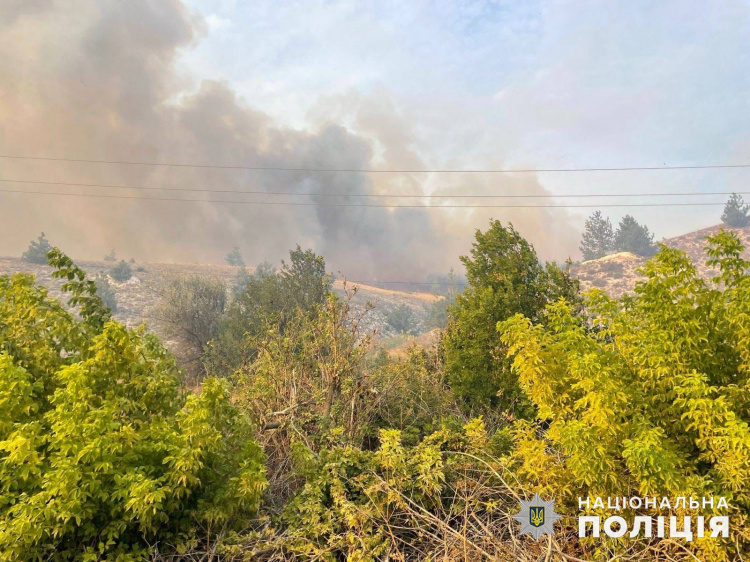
(600, 239)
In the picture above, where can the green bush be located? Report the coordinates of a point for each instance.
(398, 502)
(412, 393)
(656, 400)
(101, 455)
(106, 293)
(505, 278)
(190, 310)
(401, 318)
(37, 251)
(263, 297)
(121, 272)
(307, 381)
(437, 312)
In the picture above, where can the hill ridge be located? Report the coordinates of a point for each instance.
(617, 274)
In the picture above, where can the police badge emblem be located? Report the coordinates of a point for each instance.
(537, 517)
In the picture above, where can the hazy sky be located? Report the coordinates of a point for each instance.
(516, 84)
(365, 85)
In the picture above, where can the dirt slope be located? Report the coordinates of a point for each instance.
(137, 296)
(617, 273)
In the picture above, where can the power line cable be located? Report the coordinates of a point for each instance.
(375, 195)
(378, 171)
(317, 204)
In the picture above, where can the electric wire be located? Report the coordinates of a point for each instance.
(377, 171)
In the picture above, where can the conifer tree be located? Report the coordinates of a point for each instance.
(234, 257)
(631, 236)
(735, 212)
(37, 251)
(598, 238)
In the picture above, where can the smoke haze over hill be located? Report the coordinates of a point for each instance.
(101, 82)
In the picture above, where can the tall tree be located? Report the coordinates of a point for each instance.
(631, 236)
(598, 237)
(505, 277)
(735, 212)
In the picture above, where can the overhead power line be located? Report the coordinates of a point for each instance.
(377, 171)
(318, 204)
(376, 195)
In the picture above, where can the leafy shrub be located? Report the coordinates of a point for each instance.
(37, 251)
(656, 401)
(401, 318)
(101, 453)
(505, 277)
(106, 293)
(190, 310)
(121, 272)
(735, 212)
(263, 297)
(307, 379)
(411, 394)
(437, 312)
(444, 498)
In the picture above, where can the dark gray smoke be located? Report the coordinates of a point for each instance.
(97, 80)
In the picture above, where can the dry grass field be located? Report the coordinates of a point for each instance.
(137, 297)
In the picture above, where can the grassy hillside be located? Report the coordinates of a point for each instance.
(137, 296)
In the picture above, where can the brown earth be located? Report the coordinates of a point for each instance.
(617, 274)
(137, 297)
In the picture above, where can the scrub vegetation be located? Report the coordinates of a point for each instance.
(300, 440)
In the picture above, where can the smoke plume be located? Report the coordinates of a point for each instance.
(100, 82)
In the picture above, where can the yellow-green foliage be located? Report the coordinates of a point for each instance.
(653, 397)
(435, 500)
(101, 455)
